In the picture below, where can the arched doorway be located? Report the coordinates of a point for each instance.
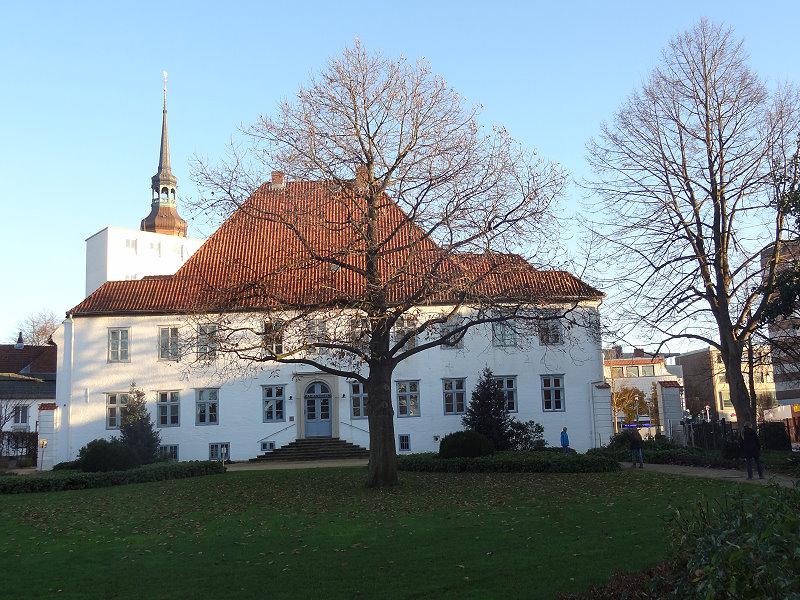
(317, 409)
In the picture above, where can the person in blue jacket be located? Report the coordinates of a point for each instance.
(564, 439)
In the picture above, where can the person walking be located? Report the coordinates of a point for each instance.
(637, 447)
(564, 440)
(751, 450)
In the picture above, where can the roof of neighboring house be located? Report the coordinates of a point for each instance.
(265, 255)
(621, 362)
(28, 359)
(14, 386)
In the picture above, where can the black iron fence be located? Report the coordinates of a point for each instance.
(713, 435)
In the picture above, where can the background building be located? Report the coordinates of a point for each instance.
(706, 383)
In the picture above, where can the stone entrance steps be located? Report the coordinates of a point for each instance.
(315, 449)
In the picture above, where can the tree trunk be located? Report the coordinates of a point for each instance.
(739, 395)
(382, 451)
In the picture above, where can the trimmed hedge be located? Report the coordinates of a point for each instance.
(510, 462)
(72, 480)
(464, 444)
(690, 457)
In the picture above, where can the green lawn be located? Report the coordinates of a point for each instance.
(318, 533)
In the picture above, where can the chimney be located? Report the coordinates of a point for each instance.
(278, 181)
(361, 177)
(20, 344)
(638, 353)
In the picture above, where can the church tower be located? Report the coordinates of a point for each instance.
(164, 217)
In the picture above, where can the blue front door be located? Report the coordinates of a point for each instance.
(317, 409)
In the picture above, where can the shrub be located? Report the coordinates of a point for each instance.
(464, 444)
(619, 441)
(487, 412)
(59, 481)
(107, 455)
(136, 429)
(68, 465)
(691, 457)
(742, 547)
(526, 436)
(774, 436)
(509, 462)
(650, 584)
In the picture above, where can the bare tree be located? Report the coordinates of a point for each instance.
(692, 175)
(403, 227)
(37, 328)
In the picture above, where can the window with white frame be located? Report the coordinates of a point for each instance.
(168, 343)
(130, 244)
(207, 341)
(632, 371)
(408, 399)
(168, 451)
(454, 396)
(207, 406)
(553, 393)
(648, 371)
(114, 405)
(21, 415)
(169, 408)
(550, 330)
(316, 333)
(118, 344)
(358, 400)
(504, 335)
(404, 442)
(272, 338)
(617, 372)
(456, 340)
(219, 451)
(508, 384)
(273, 399)
(405, 326)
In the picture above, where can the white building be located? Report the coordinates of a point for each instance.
(148, 330)
(654, 378)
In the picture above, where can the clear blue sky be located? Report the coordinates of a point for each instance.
(81, 98)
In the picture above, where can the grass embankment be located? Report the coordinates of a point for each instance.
(319, 533)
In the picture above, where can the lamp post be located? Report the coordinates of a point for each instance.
(42, 446)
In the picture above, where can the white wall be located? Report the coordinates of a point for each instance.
(85, 377)
(117, 253)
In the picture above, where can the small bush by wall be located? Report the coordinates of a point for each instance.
(107, 455)
(510, 462)
(59, 481)
(464, 444)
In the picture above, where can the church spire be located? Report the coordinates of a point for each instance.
(163, 217)
(163, 157)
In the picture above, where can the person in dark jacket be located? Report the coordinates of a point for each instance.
(751, 450)
(564, 440)
(637, 447)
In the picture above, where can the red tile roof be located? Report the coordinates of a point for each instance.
(31, 359)
(259, 259)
